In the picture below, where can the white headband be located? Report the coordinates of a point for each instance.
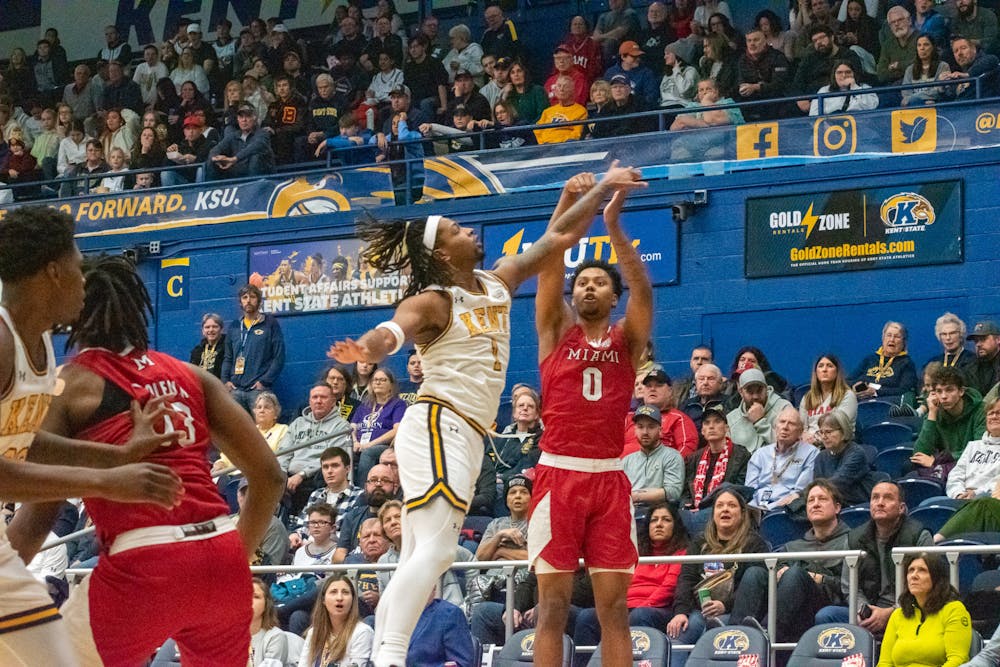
(431, 231)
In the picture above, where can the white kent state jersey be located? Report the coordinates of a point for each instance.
(466, 366)
(23, 407)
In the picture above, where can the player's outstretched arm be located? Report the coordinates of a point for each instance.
(236, 436)
(568, 228)
(639, 310)
(420, 318)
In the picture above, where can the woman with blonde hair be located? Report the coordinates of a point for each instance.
(828, 391)
(337, 636)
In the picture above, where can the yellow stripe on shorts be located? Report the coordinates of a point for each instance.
(28, 618)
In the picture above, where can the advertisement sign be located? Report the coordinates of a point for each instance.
(320, 276)
(851, 230)
(653, 233)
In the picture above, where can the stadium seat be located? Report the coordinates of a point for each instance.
(872, 412)
(829, 644)
(780, 527)
(914, 422)
(976, 645)
(650, 648)
(870, 453)
(855, 516)
(504, 415)
(917, 491)
(477, 524)
(885, 435)
(933, 516)
(725, 646)
(477, 651)
(519, 650)
(894, 461)
(798, 393)
(970, 566)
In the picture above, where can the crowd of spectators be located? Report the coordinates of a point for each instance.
(249, 103)
(709, 456)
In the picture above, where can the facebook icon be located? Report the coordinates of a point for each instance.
(757, 140)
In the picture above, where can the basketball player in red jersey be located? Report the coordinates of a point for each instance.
(43, 285)
(183, 572)
(582, 505)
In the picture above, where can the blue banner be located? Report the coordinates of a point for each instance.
(852, 230)
(657, 246)
(672, 154)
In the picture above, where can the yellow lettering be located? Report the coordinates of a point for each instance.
(466, 319)
(598, 243)
(175, 286)
(480, 314)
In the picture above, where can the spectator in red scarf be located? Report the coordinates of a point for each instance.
(720, 461)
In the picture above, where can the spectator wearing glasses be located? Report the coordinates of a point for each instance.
(318, 550)
(843, 462)
(899, 48)
(381, 486)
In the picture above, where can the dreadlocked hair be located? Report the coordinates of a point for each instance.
(395, 244)
(116, 307)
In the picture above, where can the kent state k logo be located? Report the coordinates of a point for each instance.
(756, 141)
(914, 130)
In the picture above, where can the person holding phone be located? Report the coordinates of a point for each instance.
(889, 372)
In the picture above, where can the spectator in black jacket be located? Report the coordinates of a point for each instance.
(51, 72)
(322, 118)
(816, 66)
(623, 103)
(286, 117)
(120, 92)
(763, 73)
(972, 63)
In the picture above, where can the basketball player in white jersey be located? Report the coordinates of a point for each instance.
(459, 318)
(43, 286)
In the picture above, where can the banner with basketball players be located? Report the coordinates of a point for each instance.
(851, 230)
(319, 276)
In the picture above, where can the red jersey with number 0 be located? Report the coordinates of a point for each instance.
(587, 388)
(143, 376)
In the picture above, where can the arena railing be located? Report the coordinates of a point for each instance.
(770, 561)
(660, 116)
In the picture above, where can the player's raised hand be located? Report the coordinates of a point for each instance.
(141, 483)
(347, 351)
(613, 209)
(145, 438)
(623, 178)
(581, 183)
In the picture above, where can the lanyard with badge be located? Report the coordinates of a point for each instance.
(240, 365)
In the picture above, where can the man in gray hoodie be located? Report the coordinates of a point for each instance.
(751, 423)
(804, 587)
(302, 465)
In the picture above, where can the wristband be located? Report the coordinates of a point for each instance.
(396, 331)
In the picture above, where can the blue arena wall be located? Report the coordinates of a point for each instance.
(791, 318)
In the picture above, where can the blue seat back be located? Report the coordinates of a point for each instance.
(917, 491)
(827, 645)
(872, 412)
(724, 647)
(520, 650)
(650, 648)
(855, 516)
(894, 461)
(885, 435)
(933, 517)
(779, 527)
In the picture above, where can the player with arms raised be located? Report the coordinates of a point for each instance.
(581, 504)
(459, 318)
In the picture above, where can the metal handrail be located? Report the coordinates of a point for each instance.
(770, 560)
